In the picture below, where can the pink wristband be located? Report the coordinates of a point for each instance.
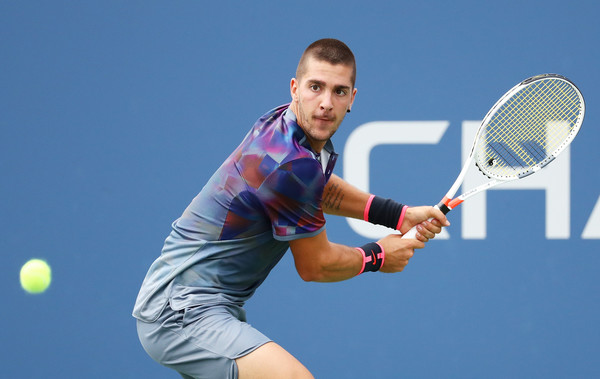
(363, 262)
(401, 220)
(367, 208)
(381, 255)
(374, 260)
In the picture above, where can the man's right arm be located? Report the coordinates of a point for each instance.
(319, 260)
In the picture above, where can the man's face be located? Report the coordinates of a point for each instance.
(321, 98)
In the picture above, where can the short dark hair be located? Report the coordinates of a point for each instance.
(330, 50)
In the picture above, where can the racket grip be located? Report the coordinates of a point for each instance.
(412, 233)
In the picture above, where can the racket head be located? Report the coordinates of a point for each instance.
(528, 127)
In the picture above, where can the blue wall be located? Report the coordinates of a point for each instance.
(114, 113)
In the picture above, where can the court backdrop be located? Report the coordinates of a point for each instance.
(114, 114)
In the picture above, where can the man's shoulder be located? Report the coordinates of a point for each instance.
(275, 139)
(272, 143)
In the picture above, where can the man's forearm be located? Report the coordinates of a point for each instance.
(319, 260)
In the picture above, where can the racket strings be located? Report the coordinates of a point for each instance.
(506, 137)
(548, 109)
(529, 127)
(534, 117)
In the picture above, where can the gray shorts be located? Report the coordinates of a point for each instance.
(201, 342)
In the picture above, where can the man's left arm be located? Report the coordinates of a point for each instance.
(341, 198)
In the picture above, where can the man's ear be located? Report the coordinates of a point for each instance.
(294, 89)
(352, 100)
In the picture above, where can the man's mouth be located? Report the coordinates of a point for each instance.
(325, 118)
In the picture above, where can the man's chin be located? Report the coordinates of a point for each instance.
(321, 137)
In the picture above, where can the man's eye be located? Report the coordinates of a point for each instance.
(315, 87)
(341, 92)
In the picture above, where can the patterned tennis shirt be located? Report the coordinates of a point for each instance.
(266, 193)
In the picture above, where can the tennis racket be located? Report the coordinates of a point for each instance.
(523, 132)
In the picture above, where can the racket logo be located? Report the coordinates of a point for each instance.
(523, 154)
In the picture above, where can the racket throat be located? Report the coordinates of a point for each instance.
(447, 204)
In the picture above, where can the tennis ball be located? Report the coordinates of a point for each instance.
(35, 276)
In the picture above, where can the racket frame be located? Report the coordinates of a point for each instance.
(449, 202)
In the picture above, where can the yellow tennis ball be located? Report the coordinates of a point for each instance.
(35, 276)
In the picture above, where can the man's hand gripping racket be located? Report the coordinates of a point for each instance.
(523, 132)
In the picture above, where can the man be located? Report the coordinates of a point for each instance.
(268, 196)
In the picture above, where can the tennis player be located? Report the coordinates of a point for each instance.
(269, 195)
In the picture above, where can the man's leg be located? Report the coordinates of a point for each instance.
(271, 361)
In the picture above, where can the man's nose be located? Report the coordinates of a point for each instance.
(326, 102)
